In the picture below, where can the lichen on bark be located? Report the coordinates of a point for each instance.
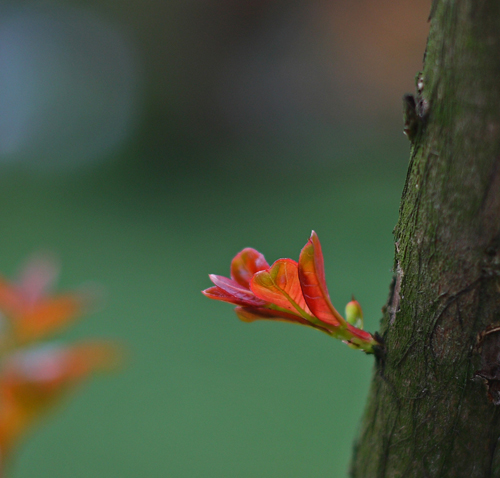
(426, 414)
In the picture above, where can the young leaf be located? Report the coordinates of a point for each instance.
(231, 289)
(217, 293)
(361, 335)
(36, 379)
(245, 264)
(312, 281)
(36, 316)
(48, 316)
(280, 286)
(251, 314)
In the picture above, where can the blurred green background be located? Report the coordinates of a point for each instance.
(146, 143)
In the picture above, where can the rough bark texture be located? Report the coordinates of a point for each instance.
(427, 416)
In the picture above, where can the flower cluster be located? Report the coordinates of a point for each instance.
(290, 291)
(36, 374)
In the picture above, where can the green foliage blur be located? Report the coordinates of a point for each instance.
(205, 395)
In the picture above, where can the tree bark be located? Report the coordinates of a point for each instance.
(431, 410)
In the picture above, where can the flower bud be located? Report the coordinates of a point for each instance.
(354, 314)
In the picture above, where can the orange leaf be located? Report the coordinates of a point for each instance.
(280, 286)
(47, 316)
(312, 281)
(33, 313)
(251, 314)
(33, 381)
(245, 264)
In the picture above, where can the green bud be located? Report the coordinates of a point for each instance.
(354, 314)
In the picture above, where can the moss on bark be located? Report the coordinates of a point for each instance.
(426, 414)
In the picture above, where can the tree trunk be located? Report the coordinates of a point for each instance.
(433, 407)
